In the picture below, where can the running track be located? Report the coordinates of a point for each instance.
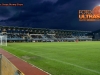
(23, 66)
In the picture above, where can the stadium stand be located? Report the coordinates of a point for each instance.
(96, 35)
(26, 34)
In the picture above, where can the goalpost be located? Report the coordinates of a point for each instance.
(3, 40)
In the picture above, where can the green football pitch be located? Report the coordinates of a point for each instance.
(60, 58)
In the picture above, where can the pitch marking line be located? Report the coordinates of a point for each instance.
(61, 61)
(26, 61)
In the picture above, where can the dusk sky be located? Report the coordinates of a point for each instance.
(53, 14)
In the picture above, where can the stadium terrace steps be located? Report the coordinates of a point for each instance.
(23, 66)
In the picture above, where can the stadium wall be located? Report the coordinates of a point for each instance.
(7, 68)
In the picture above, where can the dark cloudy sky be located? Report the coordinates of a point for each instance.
(53, 14)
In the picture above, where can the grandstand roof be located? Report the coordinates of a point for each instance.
(29, 28)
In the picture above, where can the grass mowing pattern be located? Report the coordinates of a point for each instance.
(56, 58)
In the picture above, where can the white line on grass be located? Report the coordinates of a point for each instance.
(60, 61)
(29, 63)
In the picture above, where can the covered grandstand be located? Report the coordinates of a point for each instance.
(96, 35)
(26, 34)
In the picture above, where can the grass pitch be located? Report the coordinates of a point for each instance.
(60, 58)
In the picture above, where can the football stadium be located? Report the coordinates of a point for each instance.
(49, 37)
(53, 51)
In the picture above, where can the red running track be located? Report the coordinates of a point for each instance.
(23, 66)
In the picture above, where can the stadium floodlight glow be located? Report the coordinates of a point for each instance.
(98, 5)
(3, 40)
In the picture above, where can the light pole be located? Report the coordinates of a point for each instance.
(0, 62)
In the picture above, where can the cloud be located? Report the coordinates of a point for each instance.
(61, 14)
(31, 11)
(4, 12)
(61, 2)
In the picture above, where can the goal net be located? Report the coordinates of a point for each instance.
(3, 40)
